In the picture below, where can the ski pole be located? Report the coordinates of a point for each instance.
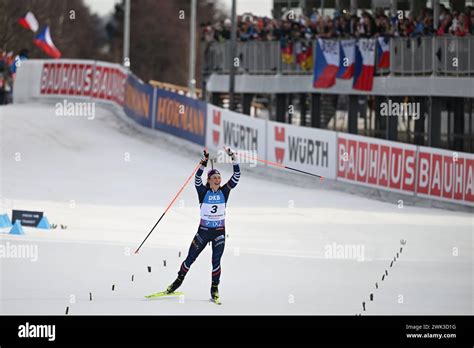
(280, 165)
(169, 206)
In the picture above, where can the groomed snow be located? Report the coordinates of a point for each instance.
(276, 259)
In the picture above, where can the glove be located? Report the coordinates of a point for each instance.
(231, 153)
(204, 158)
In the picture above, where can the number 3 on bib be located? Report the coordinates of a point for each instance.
(213, 209)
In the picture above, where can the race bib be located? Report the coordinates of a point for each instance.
(213, 209)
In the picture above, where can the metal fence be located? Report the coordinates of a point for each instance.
(411, 56)
(445, 56)
(251, 57)
(454, 56)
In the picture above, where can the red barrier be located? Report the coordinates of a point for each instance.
(446, 175)
(377, 163)
(426, 172)
(102, 81)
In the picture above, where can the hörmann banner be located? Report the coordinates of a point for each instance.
(309, 149)
(242, 133)
(138, 101)
(181, 116)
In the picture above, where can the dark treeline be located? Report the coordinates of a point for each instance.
(159, 33)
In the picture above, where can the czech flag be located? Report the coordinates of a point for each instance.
(327, 63)
(383, 52)
(347, 58)
(43, 40)
(29, 22)
(364, 65)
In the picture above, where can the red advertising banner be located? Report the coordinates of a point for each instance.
(66, 78)
(426, 172)
(374, 162)
(445, 175)
(109, 83)
(102, 81)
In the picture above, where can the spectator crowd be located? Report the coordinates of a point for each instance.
(342, 25)
(8, 67)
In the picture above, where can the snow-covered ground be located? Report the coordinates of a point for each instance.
(109, 182)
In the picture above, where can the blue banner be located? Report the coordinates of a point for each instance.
(138, 101)
(181, 116)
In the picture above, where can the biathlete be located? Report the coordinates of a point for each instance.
(212, 199)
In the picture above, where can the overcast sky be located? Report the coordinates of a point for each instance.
(257, 7)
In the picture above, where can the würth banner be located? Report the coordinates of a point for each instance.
(404, 168)
(242, 133)
(308, 149)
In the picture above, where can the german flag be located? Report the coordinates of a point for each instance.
(305, 57)
(286, 51)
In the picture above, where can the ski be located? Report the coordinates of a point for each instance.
(216, 300)
(163, 294)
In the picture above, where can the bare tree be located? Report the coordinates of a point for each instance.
(159, 38)
(74, 30)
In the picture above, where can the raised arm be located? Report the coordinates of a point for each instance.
(197, 177)
(234, 180)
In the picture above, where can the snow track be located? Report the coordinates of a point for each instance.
(279, 235)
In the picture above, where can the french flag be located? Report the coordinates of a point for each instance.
(43, 40)
(364, 65)
(383, 52)
(346, 63)
(327, 63)
(29, 22)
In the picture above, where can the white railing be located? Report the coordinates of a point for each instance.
(441, 56)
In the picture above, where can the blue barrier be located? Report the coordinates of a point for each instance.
(181, 116)
(17, 228)
(5, 221)
(138, 101)
(44, 223)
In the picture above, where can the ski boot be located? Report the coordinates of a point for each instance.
(215, 294)
(176, 284)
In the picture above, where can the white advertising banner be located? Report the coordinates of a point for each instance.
(309, 149)
(82, 79)
(241, 132)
